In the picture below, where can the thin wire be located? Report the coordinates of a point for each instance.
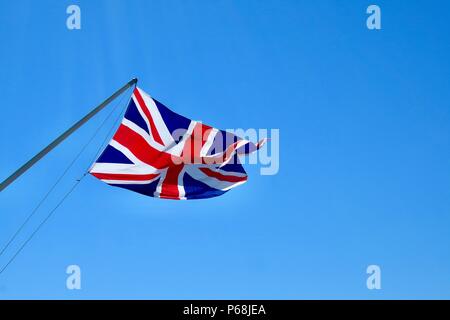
(6, 246)
(40, 226)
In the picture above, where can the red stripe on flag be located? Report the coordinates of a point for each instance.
(222, 177)
(120, 176)
(144, 108)
(141, 149)
(169, 188)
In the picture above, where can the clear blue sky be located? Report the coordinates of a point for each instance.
(364, 119)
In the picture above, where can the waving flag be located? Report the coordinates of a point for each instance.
(162, 154)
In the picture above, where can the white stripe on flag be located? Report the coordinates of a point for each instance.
(122, 168)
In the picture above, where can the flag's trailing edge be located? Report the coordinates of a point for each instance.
(162, 154)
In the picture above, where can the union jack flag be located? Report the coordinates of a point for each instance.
(162, 154)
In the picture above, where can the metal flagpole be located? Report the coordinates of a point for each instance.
(63, 136)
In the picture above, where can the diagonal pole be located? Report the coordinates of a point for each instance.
(64, 136)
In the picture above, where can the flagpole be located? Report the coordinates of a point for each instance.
(64, 136)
